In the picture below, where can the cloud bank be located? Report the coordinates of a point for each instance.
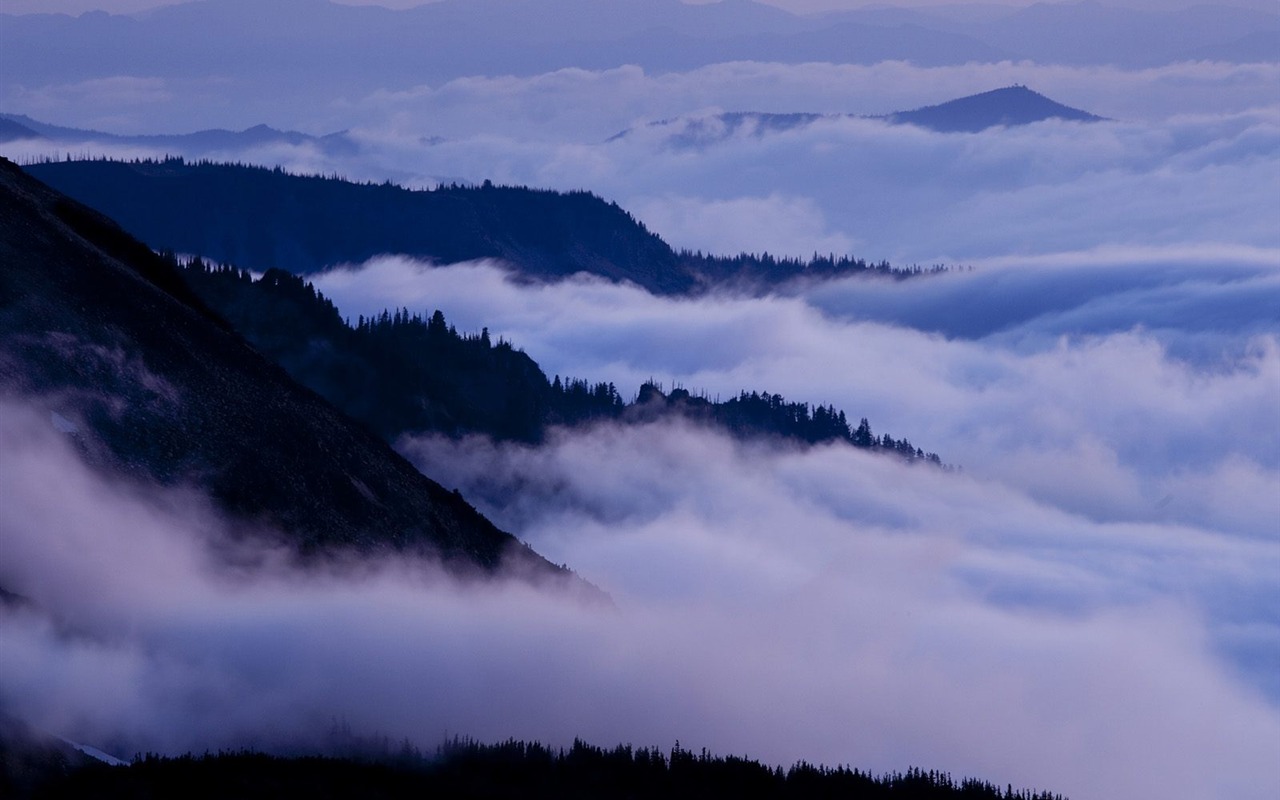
(1087, 606)
(827, 605)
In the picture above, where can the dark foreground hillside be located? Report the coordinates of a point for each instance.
(529, 771)
(149, 383)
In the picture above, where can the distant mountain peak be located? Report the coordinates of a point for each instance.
(1007, 106)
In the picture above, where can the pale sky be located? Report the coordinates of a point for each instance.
(800, 6)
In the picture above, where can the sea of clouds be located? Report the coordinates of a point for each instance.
(1087, 605)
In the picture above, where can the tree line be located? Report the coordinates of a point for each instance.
(466, 769)
(260, 217)
(401, 372)
(764, 269)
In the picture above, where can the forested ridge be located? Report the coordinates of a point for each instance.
(403, 372)
(261, 218)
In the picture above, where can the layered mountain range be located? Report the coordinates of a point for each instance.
(148, 382)
(1010, 105)
(401, 374)
(140, 360)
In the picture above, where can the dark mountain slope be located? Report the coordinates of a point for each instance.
(30, 760)
(1012, 105)
(260, 218)
(109, 337)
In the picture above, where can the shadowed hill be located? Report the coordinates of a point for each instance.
(151, 383)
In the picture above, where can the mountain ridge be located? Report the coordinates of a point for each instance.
(405, 374)
(1009, 105)
(259, 218)
(211, 140)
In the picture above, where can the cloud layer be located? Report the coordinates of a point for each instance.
(1087, 606)
(825, 605)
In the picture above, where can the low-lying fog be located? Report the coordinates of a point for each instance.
(1086, 606)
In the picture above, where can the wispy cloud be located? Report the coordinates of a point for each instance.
(1115, 419)
(975, 365)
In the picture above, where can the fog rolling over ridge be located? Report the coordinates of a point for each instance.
(1087, 605)
(821, 604)
(1087, 581)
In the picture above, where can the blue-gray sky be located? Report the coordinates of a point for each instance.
(799, 6)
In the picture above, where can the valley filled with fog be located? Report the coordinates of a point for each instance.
(1086, 602)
